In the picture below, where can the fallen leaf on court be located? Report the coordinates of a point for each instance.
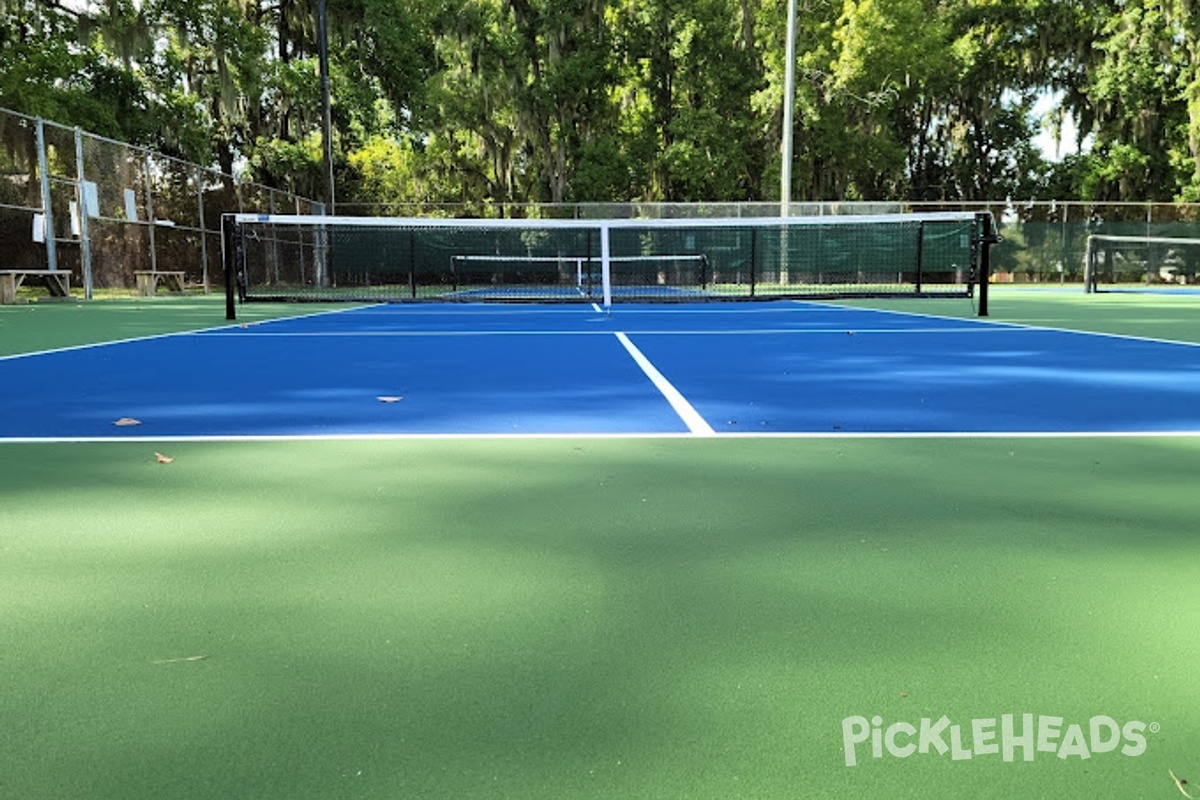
(183, 660)
(163, 459)
(1179, 784)
(390, 399)
(125, 422)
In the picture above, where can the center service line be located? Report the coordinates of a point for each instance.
(683, 408)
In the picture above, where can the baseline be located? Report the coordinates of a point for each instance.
(588, 436)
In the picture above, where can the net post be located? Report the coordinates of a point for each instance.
(920, 253)
(1089, 266)
(412, 264)
(586, 262)
(606, 266)
(753, 258)
(988, 237)
(229, 259)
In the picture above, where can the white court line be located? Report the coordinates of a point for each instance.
(216, 330)
(111, 342)
(664, 332)
(997, 324)
(695, 423)
(388, 437)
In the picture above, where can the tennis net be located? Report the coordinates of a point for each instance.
(1116, 263)
(601, 261)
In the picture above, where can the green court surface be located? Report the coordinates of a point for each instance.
(600, 618)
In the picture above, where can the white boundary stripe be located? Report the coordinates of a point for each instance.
(595, 224)
(696, 423)
(994, 324)
(665, 332)
(216, 330)
(111, 342)
(1128, 337)
(416, 437)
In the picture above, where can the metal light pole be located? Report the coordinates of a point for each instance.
(326, 105)
(789, 92)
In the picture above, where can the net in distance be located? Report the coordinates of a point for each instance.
(1127, 263)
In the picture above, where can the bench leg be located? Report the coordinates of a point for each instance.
(8, 289)
(59, 285)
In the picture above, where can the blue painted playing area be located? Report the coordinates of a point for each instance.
(770, 368)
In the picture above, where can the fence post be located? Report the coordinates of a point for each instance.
(150, 211)
(47, 212)
(199, 173)
(85, 214)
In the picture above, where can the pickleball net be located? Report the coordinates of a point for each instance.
(1128, 263)
(325, 258)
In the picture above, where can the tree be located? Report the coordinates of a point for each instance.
(48, 70)
(1137, 102)
(689, 74)
(503, 102)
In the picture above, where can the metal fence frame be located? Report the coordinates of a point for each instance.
(103, 209)
(1043, 241)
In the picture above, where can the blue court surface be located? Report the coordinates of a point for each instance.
(778, 368)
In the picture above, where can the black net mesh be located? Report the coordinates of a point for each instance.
(329, 258)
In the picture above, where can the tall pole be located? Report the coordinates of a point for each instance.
(85, 213)
(47, 210)
(326, 105)
(789, 92)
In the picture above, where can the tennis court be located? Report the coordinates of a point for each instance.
(771, 368)
(786, 549)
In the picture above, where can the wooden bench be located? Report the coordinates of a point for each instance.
(58, 281)
(148, 281)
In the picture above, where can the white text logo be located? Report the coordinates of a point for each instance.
(1010, 736)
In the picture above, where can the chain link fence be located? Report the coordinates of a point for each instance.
(1044, 241)
(104, 211)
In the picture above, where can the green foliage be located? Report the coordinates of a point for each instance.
(506, 101)
(1135, 90)
(46, 74)
(299, 162)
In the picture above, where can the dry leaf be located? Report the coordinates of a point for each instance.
(127, 421)
(183, 660)
(1179, 784)
(163, 459)
(390, 399)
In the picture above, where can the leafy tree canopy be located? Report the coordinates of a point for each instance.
(518, 101)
